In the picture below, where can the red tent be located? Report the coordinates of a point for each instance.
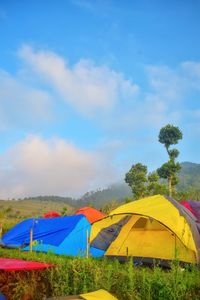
(90, 213)
(51, 214)
(10, 264)
(187, 205)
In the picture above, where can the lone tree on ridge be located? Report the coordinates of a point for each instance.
(170, 135)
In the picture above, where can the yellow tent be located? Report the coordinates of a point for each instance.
(155, 227)
(97, 295)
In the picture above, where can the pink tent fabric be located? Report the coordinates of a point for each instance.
(10, 264)
(193, 206)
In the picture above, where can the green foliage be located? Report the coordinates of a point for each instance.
(143, 184)
(64, 211)
(79, 275)
(108, 207)
(5, 212)
(173, 153)
(136, 179)
(188, 194)
(168, 136)
(168, 169)
(128, 199)
(155, 187)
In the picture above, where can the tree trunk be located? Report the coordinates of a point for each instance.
(170, 185)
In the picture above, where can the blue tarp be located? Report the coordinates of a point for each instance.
(61, 235)
(2, 297)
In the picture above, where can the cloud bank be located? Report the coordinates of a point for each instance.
(51, 167)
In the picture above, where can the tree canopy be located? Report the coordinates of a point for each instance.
(169, 135)
(143, 184)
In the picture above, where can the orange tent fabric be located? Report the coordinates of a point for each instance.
(90, 213)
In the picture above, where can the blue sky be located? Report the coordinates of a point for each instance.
(85, 87)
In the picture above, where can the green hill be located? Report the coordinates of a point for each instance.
(116, 192)
(189, 176)
(32, 207)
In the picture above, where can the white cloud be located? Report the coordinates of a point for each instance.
(172, 96)
(171, 91)
(167, 82)
(192, 69)
(21, 105)
(87, 87)
(97, 91)
(51, 167)
(173, 83)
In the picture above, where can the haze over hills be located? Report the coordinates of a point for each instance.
(189, 179)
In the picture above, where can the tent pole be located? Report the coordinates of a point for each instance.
(31, 239)
(175, 252)
(87, 246)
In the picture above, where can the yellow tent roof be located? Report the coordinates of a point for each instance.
(162, 210)
(168, 212)
(98, 295)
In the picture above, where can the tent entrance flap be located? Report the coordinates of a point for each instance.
(107, 235)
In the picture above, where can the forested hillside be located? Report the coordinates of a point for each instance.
(189, 176)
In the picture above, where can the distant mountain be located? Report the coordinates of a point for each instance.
(116, 192)
(64, 200)
(189, 176)
(189, 179)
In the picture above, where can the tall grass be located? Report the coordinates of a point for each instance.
(79, 275)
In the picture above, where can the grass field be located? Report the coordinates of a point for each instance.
(79, 275)
(28, 208)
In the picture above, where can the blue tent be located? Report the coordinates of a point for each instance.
(61, 235)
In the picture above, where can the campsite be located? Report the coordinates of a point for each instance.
(99, 150)
(120, 260)
(144, 246)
